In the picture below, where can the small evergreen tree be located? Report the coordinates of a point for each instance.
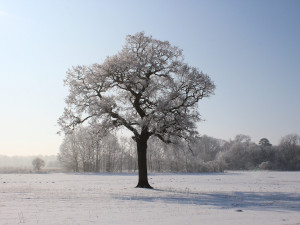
(264, 142)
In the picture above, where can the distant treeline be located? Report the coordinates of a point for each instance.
(20, 164)
(83, 151)
(86, 151)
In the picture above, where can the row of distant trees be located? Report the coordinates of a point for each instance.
(86, 150)
(241, 153)
(90, 151)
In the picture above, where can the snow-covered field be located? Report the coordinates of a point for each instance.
(206, 198)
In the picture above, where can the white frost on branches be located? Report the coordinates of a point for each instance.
(146, 87)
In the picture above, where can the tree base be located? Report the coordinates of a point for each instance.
(144, 185)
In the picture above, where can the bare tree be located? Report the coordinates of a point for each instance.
(242, 138)
(146, 88)
(290, 151)
(290, 141)
(68, 155)
(38, 164)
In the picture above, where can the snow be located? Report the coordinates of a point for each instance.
(257, 197)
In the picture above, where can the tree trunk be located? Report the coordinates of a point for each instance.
(142, 162)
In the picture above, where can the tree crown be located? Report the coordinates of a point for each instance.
(146, 87)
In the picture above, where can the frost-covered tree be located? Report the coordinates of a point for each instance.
(290, 151)
(146, 87)
(290, 141)
(242, 138)
(38, 164)
(68, 155)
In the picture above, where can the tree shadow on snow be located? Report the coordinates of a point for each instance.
(264, 201)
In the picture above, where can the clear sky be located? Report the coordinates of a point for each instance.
(251, 49)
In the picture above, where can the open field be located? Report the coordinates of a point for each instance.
(207, 198)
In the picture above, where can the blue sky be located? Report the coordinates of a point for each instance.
(251, 49)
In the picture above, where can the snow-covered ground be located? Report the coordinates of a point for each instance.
(206, 198)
